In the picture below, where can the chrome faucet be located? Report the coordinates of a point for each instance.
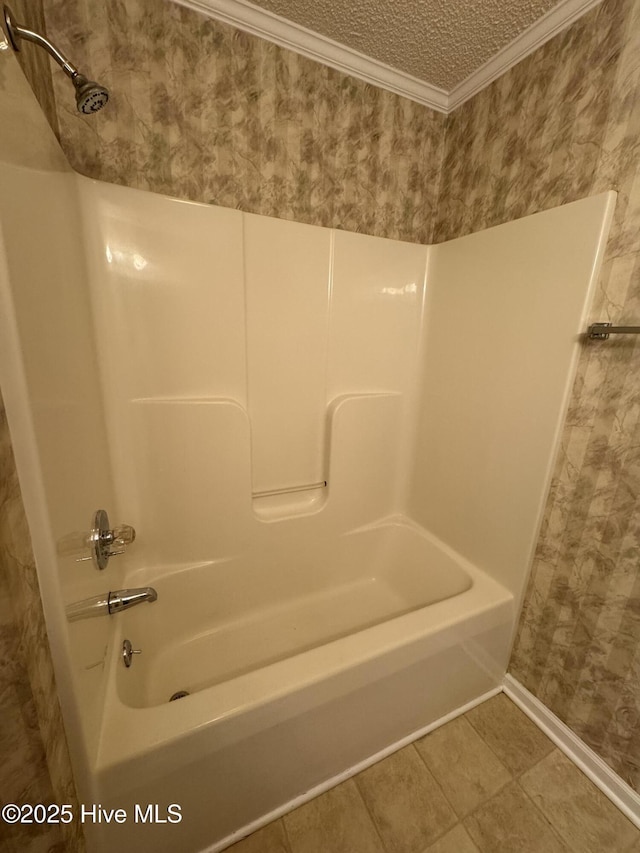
(122, 599)
(110, 602)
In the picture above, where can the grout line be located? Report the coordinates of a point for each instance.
(626, 799)
(539, 761)
(440, 788)
(286, 834)
(370, 813)
(513, 781)
(491, 749)
(440, 835)
(514, 775)
(551, 825)
(437, 781)
(486, 799)
(567, 842)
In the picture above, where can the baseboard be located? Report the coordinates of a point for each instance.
(611, 785)
(347, 774)
(606, 779)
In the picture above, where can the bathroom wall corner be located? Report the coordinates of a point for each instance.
(560, 126)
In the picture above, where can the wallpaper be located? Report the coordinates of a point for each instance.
(200, 110)
(34, 761)
(561, 125)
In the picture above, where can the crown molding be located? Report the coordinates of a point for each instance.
(259, 22)
(543, 30)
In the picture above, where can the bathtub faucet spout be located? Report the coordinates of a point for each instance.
(109, 602)
(122, 599)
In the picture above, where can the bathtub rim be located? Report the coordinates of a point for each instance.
(128, 733)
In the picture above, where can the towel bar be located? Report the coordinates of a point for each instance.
(601, 331)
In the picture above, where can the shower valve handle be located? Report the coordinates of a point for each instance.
(106, 542)
(120, 537)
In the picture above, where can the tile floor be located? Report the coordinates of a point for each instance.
(487, 782)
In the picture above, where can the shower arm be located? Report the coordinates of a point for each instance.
(17, 32)
(90, 96)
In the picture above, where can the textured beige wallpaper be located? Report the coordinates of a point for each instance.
(34, 760)
(563, 124)
(202, 111)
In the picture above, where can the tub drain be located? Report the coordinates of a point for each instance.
(179, 695)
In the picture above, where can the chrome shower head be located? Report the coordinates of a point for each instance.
(90, 96)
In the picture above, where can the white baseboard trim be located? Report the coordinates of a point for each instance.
(611, 785)
(346, 774)
(606, 779)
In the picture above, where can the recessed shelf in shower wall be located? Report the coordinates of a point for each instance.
(285, 503)
(328, 313)
(229, 336)
(191, 464)
(362, 464)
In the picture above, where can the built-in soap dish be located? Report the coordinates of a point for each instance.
(288, 501)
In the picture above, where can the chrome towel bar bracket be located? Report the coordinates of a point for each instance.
(601, 331)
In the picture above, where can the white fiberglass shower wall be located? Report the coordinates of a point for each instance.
(251, 336)
(334, 448)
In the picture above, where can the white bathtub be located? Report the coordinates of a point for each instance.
(301, 663)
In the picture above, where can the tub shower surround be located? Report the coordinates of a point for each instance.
(561, 125)
(269, 441)
(574, 100)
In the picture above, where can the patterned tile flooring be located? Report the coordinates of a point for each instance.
(488, 781)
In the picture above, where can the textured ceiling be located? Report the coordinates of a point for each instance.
(438, 41)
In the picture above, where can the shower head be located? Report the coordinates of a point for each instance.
(90, 96)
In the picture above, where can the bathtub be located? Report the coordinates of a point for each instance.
(304, 662)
